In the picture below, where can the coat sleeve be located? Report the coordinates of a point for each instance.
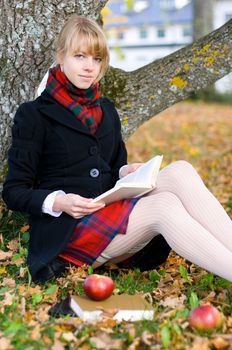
(19, 191)
(120, 154)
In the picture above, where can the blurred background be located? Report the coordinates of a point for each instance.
(141, 31)
(198, 130)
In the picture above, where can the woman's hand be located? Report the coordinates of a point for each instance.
(75, 205)
(129, 168)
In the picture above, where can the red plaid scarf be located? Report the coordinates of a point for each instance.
(83, 103)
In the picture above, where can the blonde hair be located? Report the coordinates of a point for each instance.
(79, 31)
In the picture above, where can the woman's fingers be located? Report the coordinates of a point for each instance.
(77, 206)
(83, 206)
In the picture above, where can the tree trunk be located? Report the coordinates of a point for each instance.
(203, 18)
(27, 30)
(203, 25)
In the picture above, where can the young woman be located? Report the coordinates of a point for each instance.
(67, 148)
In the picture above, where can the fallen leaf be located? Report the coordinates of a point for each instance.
(5, 344)
(18, 262)
(104, 341)
(42, 313)
(1, 237)
(13, 245)
(219, 343)
(200, 344)
(36, 334)
(9, 298)
(23, 306)
(5, 255)
(3, 270)
(147, 338)
(58, 345)
(68, 337)
(135, 344)
(24, 228)
(23, 271)
(9, 282)
(173, 302)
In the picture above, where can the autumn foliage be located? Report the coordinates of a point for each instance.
(199, 133)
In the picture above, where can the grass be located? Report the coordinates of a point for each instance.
(197, 132)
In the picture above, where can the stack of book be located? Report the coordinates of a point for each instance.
(121, 307)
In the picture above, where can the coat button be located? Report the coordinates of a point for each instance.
(93, 150)
(94, 172)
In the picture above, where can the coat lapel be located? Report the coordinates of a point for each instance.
(61, 115)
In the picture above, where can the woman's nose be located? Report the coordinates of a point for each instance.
(89, 63)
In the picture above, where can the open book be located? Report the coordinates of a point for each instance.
(119, 307)
(135, 184)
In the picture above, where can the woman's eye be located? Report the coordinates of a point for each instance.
(98, 59)
(80, 56)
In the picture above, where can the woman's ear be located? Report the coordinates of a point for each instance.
(59, 58)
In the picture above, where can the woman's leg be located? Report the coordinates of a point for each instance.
(163, 213)
(183, 180)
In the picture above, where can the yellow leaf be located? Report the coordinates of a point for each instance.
(194, 151)
(3, 270)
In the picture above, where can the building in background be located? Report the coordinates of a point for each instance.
(152, 29)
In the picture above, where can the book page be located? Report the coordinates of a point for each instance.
(146, 173)
(134, 184)
(123, 191)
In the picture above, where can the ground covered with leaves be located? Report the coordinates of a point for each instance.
(195, 132)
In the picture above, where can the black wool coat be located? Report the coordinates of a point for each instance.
(51, 150)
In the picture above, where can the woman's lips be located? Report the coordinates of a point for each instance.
(86, 77)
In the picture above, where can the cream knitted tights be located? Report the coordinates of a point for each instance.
(189, 217)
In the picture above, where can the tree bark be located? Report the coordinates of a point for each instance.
(27, 30)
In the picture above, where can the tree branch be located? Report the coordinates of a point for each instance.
(141, 94)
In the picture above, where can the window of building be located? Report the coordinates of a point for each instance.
(167, 5)
(120, 35)
(161, 33)
(187, 31)
(143, 33)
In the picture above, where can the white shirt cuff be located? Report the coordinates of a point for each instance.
(48, 204)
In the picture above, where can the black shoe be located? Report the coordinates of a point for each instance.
(150, 257)
(62, 308)
(53, 270)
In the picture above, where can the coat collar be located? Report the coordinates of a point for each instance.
(52, 109)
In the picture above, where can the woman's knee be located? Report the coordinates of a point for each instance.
(179, 171)
(163, 203)
(169, 209)
(183, 167)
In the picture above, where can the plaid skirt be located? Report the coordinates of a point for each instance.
(94, 232)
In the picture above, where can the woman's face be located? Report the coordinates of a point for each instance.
(81, 68)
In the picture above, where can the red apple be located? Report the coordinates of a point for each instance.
(98, 287)
(205, 317)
